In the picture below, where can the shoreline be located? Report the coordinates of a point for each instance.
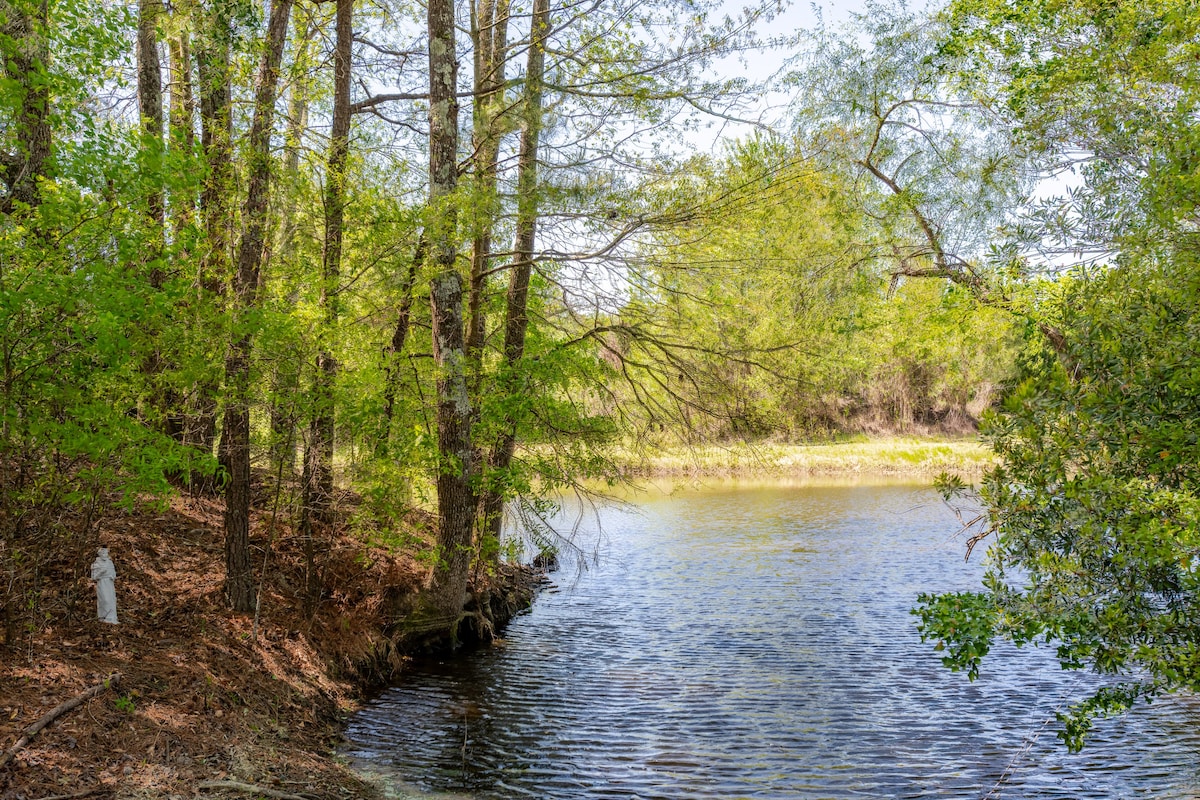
(209, 702)
(209, 699)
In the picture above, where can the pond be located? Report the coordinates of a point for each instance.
(749, 641)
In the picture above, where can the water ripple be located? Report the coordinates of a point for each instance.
(757, 644)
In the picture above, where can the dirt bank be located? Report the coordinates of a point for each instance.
(206, 697)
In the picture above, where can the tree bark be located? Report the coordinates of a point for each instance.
(517, 302)
(239, 577)
(149, 90)
(286, 370)
(27, 65)
(164, 401)
(490, 32)
(318, 489)
(216, 140)
(456, 473)
(391, 356)
(182, 117)
(447, 594)
(216, 196)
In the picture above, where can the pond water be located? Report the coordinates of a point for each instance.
(756, 642)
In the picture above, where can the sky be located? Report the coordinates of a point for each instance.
(761, 66)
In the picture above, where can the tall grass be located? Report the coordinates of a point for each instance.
(884, 456)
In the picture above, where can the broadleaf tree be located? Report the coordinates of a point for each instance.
(1091, 513)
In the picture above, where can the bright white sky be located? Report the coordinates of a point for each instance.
(761, 66)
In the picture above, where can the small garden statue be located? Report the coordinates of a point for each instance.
(105, 574)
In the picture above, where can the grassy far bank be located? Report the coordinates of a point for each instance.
(894, 455)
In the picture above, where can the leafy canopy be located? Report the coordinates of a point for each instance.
(1093, 508)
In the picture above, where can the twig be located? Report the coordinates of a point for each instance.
(84, 793)
(250, 788)
(1031, 740)
(62, 708)
(262, 580)
(466, 722)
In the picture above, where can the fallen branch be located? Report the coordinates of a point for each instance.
(250, 788)
(62, 708)
(84, 793)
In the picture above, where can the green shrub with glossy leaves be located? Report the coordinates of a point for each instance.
(1095, 505)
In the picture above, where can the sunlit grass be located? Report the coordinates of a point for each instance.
(883, 456)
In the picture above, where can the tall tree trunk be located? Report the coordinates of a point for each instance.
(149, 89)
(181, 142)
(516, 314)
(165, 400)
(391, 356)
(490, 32)
(27, 65)
(298, 104)
(447, 594)
(455, 481)
(216, 196)
(318, 489)
(239, 579)
(285, 371)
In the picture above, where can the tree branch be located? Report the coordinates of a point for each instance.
(56, 712)
(250, 788)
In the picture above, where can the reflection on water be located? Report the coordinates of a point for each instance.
(757, 642)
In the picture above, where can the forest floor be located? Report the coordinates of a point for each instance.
(206, 698)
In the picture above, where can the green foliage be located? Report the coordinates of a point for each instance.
(555, 394)
(1109, 87)
(792, 327)
(73, 312)
(964, 625)
(1095, 506)
(929, 175)
(1093, 512)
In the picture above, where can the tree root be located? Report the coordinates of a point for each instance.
(485, 630)
(56, 712)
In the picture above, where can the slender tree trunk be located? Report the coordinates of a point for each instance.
(392, 355)
(517, 314)
(447, 594)
(318, 490)
(27, 66)
(491, 54)
(165, 400)
(286, 369)
(239, 578)
(216, 197)
(288, 366)
(181, 143)
(149, 85)
(182, 118)
(298, 104)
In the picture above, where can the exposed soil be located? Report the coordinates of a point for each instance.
(207, 695)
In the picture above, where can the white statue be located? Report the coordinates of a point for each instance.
(104, 574)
